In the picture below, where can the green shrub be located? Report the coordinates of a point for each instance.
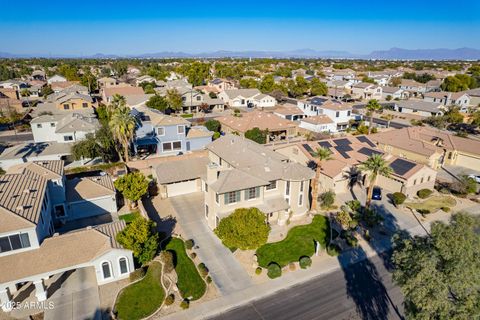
(189, 244)
(305, 262)
(445, 209)
(203, 269)
(333, 250)
(170, 299)
(424, 193)
(185, 304)
(354, 205)
(274, 270)
(258, 271)
(327, 199)
(398, 198)
(209, 279)
(138, 274)
(423, 211)
(216, 135)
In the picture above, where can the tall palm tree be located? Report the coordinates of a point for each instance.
(320, 155)
(372, 107)
(118, 102)
(122, 125)
(374, 166)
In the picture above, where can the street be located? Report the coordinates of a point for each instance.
(363, 290)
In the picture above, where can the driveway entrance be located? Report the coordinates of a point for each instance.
(227, 273)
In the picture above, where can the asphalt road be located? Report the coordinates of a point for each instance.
(361, 291)
(18, 138)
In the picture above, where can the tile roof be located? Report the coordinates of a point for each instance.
(78, 189)
(48, 169)
(181, 170)
(123, 91)
(256, 119)
(198, 132)
(30, 150)
(320, 119)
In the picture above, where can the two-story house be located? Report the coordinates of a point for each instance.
(31, 252)
(63, 128)
(337, 111)
(194, 101)
(162, 134)
(460, 99)
(364, 90)
(243, 174)
(247, 98)
(72, 99)
(222, 84)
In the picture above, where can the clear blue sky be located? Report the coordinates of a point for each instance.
(133, 27)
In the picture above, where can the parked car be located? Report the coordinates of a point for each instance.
(377, 193)
(475, 177)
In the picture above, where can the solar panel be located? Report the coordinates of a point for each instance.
(369, 152)
(401, 166)
(366, 140)
(343, 151)
(308, 148)
(325, 144)
(342, 142)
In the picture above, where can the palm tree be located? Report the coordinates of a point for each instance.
(374, 166)
(372, 106)
(320, 155)
(122, 125)
(118, 102)
(388, 117)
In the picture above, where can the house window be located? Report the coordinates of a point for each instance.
(181, 129)
(301, 186)
(85, 105)
(39, 125)
(167, 146)
(199, 98)
(421, 180)
(217, 200)
(272, 185)
(123, 265)
(59, 211)
(428, 178)
(161, 131)
(52, 124)
(287, 188)
(206, 210)
(107, 272)
(252, 193)
(177, 145)
(206, 187)
(415, 182)
(66, 107)
(67, 138)
(232, 197)
(337, 114)
(300, 200)
(14, 242)
(349, 113)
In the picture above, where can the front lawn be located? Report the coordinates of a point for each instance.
(142, 298)
(298, 243)
(128, 217)
(190, 283)
(433, 204)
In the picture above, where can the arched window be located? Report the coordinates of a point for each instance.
(123, 264)
(107, 271)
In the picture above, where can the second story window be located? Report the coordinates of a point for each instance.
(14, 242)
(252, 193)
(287, 188)
(66, 107)
(349, 113)
(85, 105)
(161, 131)
(39, 125)
(272, 185)
(337, 114)
(52, 124)
(181, 129)
(232, 197)
(67, 138)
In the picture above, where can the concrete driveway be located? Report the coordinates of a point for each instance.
(75, 296)
(226, 272)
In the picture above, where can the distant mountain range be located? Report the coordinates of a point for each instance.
(391, 54)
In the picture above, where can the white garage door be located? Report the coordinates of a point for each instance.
(177, 189)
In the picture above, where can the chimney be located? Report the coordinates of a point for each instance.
(212, 172)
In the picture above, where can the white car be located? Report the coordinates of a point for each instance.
(475, 177)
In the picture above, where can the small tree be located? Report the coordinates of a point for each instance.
(213, 125)
(344, 219)
(132, 185)
(424, 193)
(140, 237)
(305, 262)
(157, 102)
(245, 228)
(257, 135)
(174, 99)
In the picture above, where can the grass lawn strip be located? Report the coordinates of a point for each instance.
(142, 298)
(434, 203)
(298, 243)
(128, 217)
(190, 283)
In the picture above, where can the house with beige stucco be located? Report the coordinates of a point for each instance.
(243, 174)
(430, 146)
(341, 172)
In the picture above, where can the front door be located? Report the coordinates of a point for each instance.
(188, 145)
